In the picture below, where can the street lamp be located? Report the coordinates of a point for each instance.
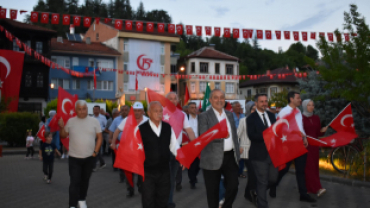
(182, 68)
(52, 85)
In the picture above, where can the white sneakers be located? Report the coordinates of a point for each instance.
(63, 156)
(82, 204)
(321, 192)
(45, 177)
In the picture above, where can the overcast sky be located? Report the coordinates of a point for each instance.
(293, 15)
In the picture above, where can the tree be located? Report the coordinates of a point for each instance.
(279, 99)
(140, 13)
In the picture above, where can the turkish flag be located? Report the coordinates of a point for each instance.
(278, 34)
(259, 34)
(283, 140)
(97, 20)
(55, 19)
(268, 34)
(13, 14)
(45, 18)
(313, 35)
(330, 37)
(34, 17)
(287, 35)
(228, 106)
(208, 30)
(139, 26)
(87, 21)
(2, 13)
(11, 67)
(150, 27)
(118, 24)
(41, 134)
(76, 20)
(65, 142)
(304, 36)
(171, 28)
(66, 105)
(128, 25)
(160, 27)
(189, 29)
(198, 30)
(185, 138)
(226, 32)
(187, 154)
(94, 79)
(66, 19)
(236, 33)
(247, 33)
(179, 29)
(186, 96)
(336, 140)
(136, 83)
(130, 154)
(107, 20)
(296, 35)
(217, 31)
(344, 121)
(346, 36)
(200, 105)
(153, 96)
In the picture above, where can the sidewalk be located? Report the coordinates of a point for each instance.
(18, 150)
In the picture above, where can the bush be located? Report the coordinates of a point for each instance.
(13, 127)
(52, 105)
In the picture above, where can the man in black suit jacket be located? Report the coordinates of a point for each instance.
(265, 171)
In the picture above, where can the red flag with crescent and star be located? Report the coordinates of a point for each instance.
(189, 152)
(283, 140)
(41, 133)
(11, 67)
(130, 155)
(66, 105)
(344, 121)
(65, 142)
(335, 140)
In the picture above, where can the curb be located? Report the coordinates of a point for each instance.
(344, 181)
(18, 152)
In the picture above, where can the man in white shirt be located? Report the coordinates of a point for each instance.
(82, 131)
(193, 122)
(140, 118)
(103, 122)
(159, 141)
(294, 101)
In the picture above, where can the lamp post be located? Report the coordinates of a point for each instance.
(52, 86)
(145, 95)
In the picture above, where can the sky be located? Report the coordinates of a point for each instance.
(292, 15)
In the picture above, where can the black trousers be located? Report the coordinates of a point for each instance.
(138, 183)
(47, 168)
(252, 179)
(80, 170)
(179, 175)
(193, 171)
(300, 165)
(229, 169)
(156, 188)
(30, 151)
(99, 157)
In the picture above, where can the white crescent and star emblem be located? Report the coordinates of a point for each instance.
(166, 117)
(34, 15)
(7, 65)
(236, 31)
(65, 101)
(160, 26)
(77, 19)
(140, 146)
(118, 22)
(284, 138)
(42, 133)
(150, 26)
(44, 16)
(71, 112)
(128, 24)
(344, 118)
(87, 20)
(55, 17)
(66, 18)
(197, 144)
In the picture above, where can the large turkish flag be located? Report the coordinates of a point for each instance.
(344, 121)
(66, 105)
(11, 67)
(336, 140)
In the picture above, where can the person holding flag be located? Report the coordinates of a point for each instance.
(140, 118)
(294, 101)
(221, 156)
(82, 131)
(55, 135)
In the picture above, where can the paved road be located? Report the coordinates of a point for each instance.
(21, 185)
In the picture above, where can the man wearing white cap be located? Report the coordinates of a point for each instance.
(140, 118)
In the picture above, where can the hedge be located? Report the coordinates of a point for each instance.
(13, 127)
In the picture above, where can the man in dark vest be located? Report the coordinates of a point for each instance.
(159, 141)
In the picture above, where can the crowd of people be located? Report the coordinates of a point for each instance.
(223, 161)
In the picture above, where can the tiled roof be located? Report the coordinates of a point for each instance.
(265, 79)
(155, 32)
(72, 46)
(211, 53)
(25, 26)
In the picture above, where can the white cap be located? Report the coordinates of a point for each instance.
(138, 105)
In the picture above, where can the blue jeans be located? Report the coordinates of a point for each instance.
(241, 166)
(222, 189)
(174, 166)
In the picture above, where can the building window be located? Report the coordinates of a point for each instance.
(230, 69)
(162, 69)
(217, 85)
(262, 90)
(28, 43)
(104, 63)
(39, 47)
(90, 85)
(54, 59)
(217, 68)
(125, 66)
(229, 87)
(65, 84)
(203, 67)
(104, 85)
(97, 36)
(75, 61)
(249, 93)
(15, 45)
(173, 69)
(192, 87)
(192, 67)
(202, 87)
(91, 62)
(125, 45)
(28, 79)
(273, 91)
(76, 84)
(162, 48)
(40, 80)
(67, 63)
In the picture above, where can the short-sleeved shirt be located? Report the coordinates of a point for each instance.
(102, 121)
(121, 126)
(29, 141)
(236, 119)
(115, 124)
(47, 151)
(185, 125)
(82, 134)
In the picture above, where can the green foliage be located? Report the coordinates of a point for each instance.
(13, 127)
(88, 100)
(4, 104)
(280, 99)
(52, 105)
(110, 106)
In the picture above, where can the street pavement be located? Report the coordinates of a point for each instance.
(22, 185)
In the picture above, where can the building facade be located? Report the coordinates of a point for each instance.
(83, 56)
